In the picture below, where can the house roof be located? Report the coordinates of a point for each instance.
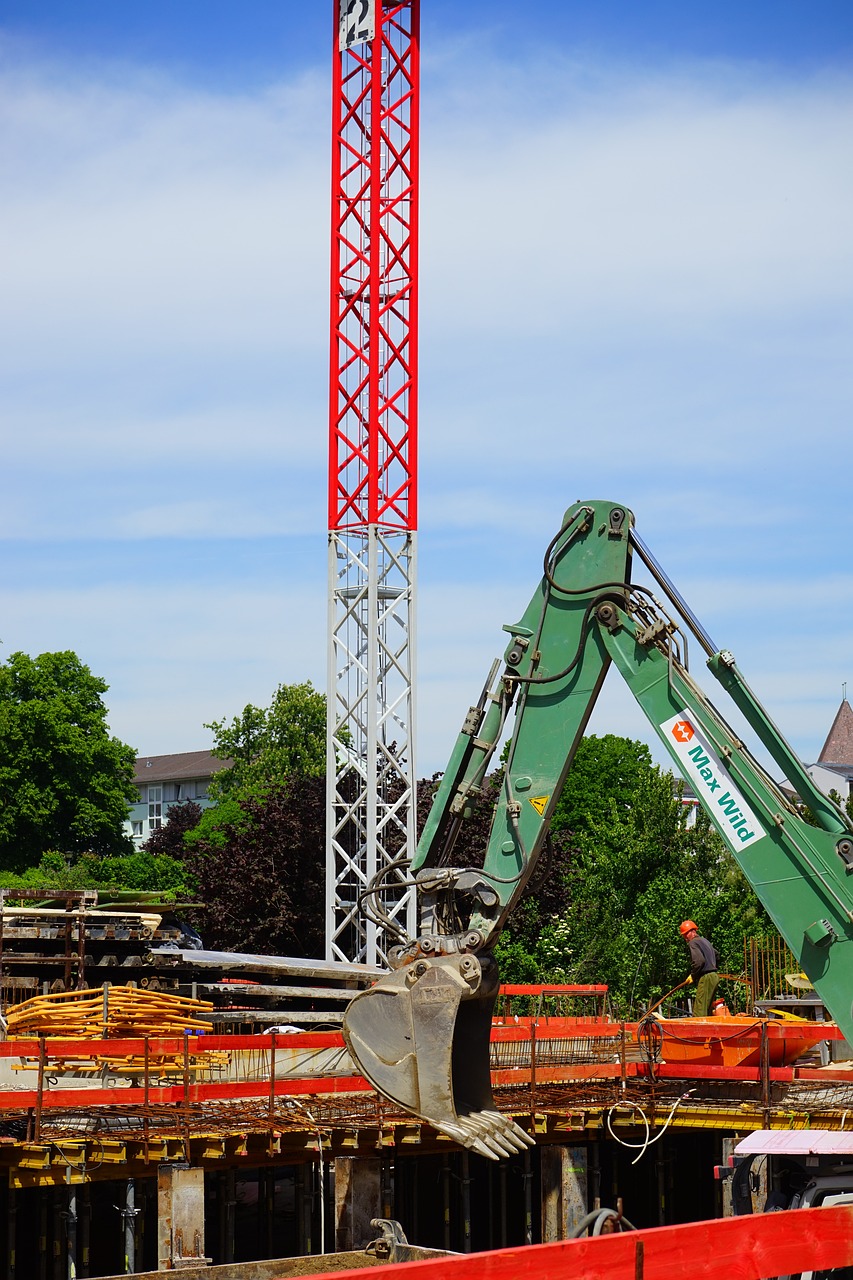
(185, 764)
(838, 748)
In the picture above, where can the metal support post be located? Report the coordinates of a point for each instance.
(42, 1195)
(270, 1209)
(303, 1203)
(71, 1230)
(128, 1214)
(56, 1234)
(660, 1174)
(11, 1243)
(445, 1192)
(84, 1230)
(40, 1088)
(321, 1190)
(466, 1202)
(228, 1192)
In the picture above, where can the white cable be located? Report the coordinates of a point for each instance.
(633, 1107)
(647, 1142)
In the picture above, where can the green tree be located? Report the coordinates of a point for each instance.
(65, 782)
(267, 745)
(262, 881)
(629, 870)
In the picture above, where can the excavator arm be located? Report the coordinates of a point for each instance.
(421, 1035)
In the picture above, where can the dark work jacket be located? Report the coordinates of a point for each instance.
(703, 958)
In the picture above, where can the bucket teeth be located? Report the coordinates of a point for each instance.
(488, 1133)
(510, 1131)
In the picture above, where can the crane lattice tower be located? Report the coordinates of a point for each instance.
(371, 809)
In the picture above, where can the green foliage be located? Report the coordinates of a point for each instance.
(140, 871)
(65, 783)
(632, 872)
(263, 882)
(212, 831)
(846, 805)
(267, 745)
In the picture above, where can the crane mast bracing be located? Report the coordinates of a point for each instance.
(421, 1035)
(371, 819)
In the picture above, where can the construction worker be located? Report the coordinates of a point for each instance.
(703, 967)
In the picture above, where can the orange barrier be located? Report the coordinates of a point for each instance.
(749, 1248)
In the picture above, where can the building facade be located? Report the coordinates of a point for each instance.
(163, 781)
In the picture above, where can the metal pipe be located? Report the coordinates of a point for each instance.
(466, 1203)
(270, 1209)
(71, 1230)
(304, 1209)
(56, 1232)
(84, 1229)
(42, 1236)
(674, 594)
(230, 1214)
(321, 1169)
(40, 1088)
(533, 1076)
(11, 1223)
(129, 1216)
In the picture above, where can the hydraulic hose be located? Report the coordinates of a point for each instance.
(596, 1220)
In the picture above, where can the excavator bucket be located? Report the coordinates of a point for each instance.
(421, 1037)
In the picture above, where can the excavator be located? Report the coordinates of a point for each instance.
(420, 1035)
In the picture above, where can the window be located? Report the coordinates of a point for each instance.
(137, 828)
(155, 808)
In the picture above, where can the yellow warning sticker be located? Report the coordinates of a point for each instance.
(540, 803)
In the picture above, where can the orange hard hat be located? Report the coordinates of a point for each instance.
(686, 926)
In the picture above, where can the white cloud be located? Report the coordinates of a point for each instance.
(152, 224)
(675, 206)
(632, 284)
(176, 654)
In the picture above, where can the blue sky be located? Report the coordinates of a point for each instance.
(637, 283)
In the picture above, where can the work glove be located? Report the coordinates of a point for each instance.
(689, 980)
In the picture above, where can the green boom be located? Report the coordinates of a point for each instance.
(583, 616)
(422, 1034)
